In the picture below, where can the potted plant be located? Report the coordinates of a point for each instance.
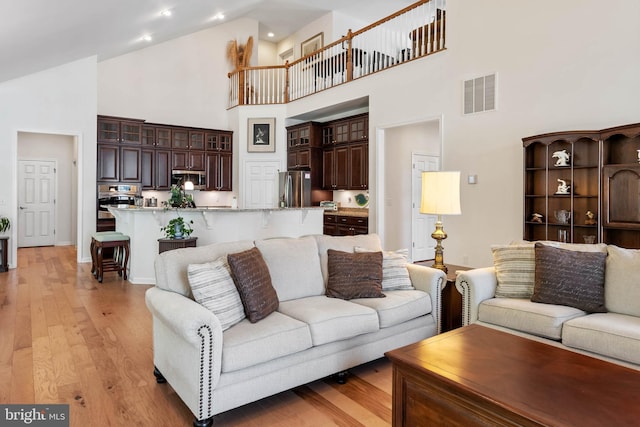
(5, 224)
(177, 228)
(178, 198)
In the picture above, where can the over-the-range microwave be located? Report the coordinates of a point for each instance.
(180, 177)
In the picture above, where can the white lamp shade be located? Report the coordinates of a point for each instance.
(440, 193)
(188, 185)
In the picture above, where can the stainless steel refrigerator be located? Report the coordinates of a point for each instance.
(295, 189)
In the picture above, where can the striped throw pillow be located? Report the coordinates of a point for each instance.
(515, 270)
(212, 286)
(395, 275)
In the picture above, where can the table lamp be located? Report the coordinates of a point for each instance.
(440, 196)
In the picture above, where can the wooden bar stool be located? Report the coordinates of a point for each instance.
(120, 244)
(92, 248)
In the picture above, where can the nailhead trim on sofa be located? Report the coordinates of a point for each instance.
(206, 334)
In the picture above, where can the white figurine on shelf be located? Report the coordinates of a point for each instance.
(638, 155)
(563, 188)
(562, 157)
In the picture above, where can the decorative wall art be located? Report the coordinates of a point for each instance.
(309, 46)
(261, 136)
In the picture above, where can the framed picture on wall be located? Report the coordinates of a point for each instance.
(262, 136)
(311, 45)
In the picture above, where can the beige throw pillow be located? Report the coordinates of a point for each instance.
(515, 270)
(213, 287)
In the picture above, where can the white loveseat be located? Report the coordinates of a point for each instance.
(309, 337)
(613, 334)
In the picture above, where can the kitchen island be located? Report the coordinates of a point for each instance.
(210, 225)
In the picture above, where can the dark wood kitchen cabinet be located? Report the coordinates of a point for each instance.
(346, 154)
(303, 147)
(219, 171)
(108, 163)
(130, 164)
(155, 169)
(219, 141)
(117, 130)
(188, 160)
(359, 166)
(335, 168)
(219, 160)
(118, 163)
(359, 128)
(188, 149)
(156, 136)
(345, 225)
(134, 151)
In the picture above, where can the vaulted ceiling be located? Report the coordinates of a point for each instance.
(39, 34)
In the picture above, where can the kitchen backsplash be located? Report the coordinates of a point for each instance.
(351, 199)
(201, 198)
(346, 199)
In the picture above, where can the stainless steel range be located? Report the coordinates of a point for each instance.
(113, 195)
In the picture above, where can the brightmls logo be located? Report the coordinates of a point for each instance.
(34, 415)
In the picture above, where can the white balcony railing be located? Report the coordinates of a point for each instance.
(409, 34)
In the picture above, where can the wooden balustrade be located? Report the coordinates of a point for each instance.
(411, 33)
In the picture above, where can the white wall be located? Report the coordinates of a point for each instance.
(62, 149)
(567, 65)
(267, 53)
(181, 82)
(555, 72)
(60, 100)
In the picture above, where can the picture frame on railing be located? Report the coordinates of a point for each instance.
(262, 135)
(311, 45)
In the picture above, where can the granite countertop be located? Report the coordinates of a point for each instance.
(210, 209)
(359, 212)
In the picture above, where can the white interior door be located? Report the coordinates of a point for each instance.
(36, 202)
(261, 184)
(422, 225)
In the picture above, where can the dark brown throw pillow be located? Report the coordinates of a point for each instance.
(251, 276)
(354, 275)
(571, 278)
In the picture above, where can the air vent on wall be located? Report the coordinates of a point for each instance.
(480, 94)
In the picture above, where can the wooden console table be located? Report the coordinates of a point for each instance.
(479, 376)
(170, 244)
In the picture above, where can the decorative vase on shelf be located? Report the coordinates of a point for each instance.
(177, 231)
(562, 216)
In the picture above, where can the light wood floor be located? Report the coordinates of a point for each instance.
(65, 338)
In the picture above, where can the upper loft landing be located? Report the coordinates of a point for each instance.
(409, 34)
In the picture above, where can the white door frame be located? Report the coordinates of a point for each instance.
(81, 227)
(378, 160)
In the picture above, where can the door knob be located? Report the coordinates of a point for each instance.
(21, 207)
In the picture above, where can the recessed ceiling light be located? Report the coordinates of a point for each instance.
(219, 16)
(270, 35)
(166, 12)
(146, 38)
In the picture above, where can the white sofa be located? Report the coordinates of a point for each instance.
(613, 334)
(309, 337)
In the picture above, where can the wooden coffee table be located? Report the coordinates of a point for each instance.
(480, 376)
